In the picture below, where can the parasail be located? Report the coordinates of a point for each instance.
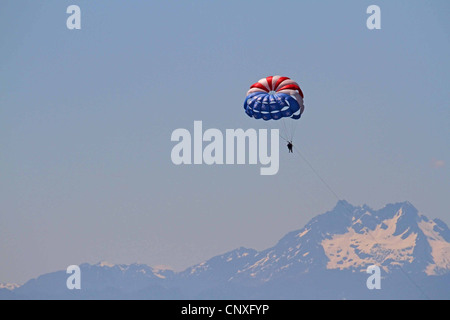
(275, 98)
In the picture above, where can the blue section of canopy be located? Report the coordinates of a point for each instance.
(266, 106)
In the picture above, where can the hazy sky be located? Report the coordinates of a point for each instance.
(86, 118)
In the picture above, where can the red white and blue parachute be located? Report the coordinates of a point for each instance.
(274, 98)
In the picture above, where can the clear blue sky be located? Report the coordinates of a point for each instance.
(86, 118)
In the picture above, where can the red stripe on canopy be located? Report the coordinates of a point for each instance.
(269, 82)
(259, 86)
(280, 81)
(292, 87)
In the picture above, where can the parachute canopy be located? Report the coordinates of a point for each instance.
(274, 98)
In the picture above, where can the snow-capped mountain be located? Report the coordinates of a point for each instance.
(9, 286)
(327, 258)
(346, 238)
(104, 279)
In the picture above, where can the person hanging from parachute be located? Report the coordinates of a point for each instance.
(290, 145)
(276, 98)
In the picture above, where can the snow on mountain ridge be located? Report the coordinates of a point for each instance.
(349, 237)
(9, 286)
(233, 259)
(105, 264)
(358, 250)
(440, 248)
(346, 237)
(342, 241)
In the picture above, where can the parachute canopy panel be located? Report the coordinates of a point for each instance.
(274, 98)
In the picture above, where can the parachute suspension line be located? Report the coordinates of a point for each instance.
(373, 238)
(269, 127)
(288, 128)
(291, 126)
(316, 173)
(294, 125)
(284, 138)
(285, 132)
(414, 283)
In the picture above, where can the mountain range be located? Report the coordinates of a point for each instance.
(326, 259)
